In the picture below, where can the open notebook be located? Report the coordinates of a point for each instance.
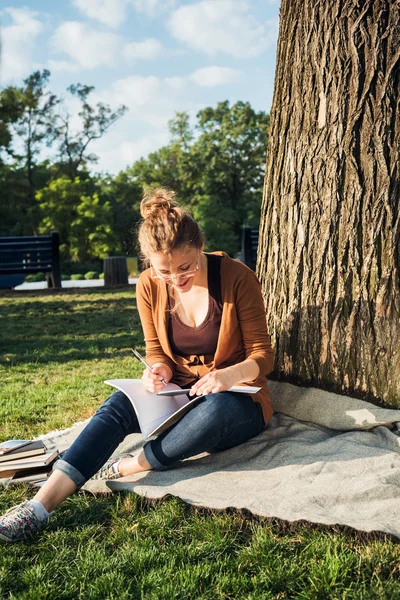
(156, 413)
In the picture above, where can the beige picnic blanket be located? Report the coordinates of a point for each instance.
(324, 458)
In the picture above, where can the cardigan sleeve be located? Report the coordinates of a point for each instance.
(253, 323)
(146, 306)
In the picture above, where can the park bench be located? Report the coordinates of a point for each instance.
(32, 254)
(249, 246)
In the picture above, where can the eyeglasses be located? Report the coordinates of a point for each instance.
(177, 277)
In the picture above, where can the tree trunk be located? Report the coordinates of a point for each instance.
(329, 258)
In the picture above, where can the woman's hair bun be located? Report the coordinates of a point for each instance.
(166, 225)
(155, 201)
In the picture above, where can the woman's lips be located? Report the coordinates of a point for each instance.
(182, 285)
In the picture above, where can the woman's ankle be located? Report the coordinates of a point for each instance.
(56, 489)
(130, 466)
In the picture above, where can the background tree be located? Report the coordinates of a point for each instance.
(73, 145)
(329, 256)
(171, 166)
(11, 110)
(231, 151)
(215, 164)
(124, 195)
(82, 217)
(217, 168)
(13, 186)
(30, 127)
(15, 218)
(31, 120)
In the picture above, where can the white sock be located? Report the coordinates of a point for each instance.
(40, 510)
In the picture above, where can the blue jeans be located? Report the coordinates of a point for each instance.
(217, 422)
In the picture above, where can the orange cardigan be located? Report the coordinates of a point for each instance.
(243, 333)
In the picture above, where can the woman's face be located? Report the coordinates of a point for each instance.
(180, 268)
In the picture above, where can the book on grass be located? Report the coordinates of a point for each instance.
(18, 449)
(157, 412)
(12, 444)
(31, 475)
(9, 468)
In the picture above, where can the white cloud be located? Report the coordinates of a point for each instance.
(177, 83)
(18, 42)
(225, 26)
(145, 6)
(213, 76)
(88, 47)
(125, 153)
(150, 99)
(114, 12)
(154, 100)
(57, 66)
(108, 12)
(146, 50)
(143, 129)
(153, 7)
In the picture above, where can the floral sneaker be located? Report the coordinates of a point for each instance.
(107, 471)
(20, 523)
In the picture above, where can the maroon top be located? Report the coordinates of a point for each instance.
(185, 340)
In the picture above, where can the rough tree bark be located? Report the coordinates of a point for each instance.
(329, 258)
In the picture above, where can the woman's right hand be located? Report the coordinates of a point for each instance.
(152, 379)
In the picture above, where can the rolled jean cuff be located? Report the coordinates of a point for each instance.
(74, 474)
(151, 458)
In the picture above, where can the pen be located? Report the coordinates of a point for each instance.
(142, 360)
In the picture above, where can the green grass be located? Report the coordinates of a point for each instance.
(56, 350)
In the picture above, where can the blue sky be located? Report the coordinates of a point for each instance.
(155, 56)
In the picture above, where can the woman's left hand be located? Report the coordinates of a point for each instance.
(213, 382)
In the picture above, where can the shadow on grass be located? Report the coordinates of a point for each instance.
(62, 328)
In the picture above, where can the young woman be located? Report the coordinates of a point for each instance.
(205, 327)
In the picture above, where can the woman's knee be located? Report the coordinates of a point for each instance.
(214, 409)
(228, 408)
(117, 406)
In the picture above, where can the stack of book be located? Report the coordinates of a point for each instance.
(26, 461)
